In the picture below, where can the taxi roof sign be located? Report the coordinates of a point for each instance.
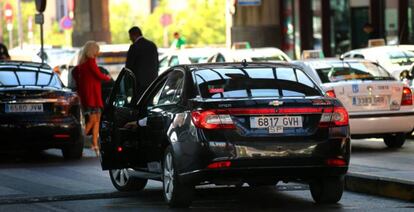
(376, 42)
(312, 54)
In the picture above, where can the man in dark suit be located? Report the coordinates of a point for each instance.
(142, 59)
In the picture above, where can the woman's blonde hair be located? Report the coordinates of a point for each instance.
(88, 50)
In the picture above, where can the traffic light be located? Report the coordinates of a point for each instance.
(40, 5)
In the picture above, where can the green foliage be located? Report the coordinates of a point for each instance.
(121, 19)
(53, 36)
(202, 23)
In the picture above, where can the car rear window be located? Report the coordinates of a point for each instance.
(15, 78)
(268, 58)
(401, 57)
(342, 71)
(254, 82)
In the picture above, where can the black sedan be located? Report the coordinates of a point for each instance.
(225, 124)
(37, 112)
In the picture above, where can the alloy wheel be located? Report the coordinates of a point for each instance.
(168, 178)
(121, 176)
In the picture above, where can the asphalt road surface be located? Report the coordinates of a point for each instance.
(46, 182)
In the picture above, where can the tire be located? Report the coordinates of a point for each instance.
(75, 151)
(176, 194)
(123, 181)
(327, 190)
(395, 140)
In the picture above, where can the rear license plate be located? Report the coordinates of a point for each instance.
(275, 122)
(24, 108)
(368, 100)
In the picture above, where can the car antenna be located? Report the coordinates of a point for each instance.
(244, 63)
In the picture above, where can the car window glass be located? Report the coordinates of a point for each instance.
(125, 91)
(43, 79)
(155, 94)
(302, 78)
(253, 82)
(164, 62)
(27, 78)
(8, 78)
(286, 74)
(342, 71)
(174, 61)
(220, 58)
(359, 56)
(172, 90)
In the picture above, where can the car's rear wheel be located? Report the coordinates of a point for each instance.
(327, 190)
(123, 181)
(74, 151)
(395, 140)
(176, 194)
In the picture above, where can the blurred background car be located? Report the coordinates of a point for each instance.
(37, 112)
(396, 61)
(379, 106)
(183, 56)
(268, 54)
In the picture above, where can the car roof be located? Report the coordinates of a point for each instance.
(333, 59)
(25, 65)
(377, 49)
(192, 67)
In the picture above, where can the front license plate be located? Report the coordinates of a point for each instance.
(275, 121)
(24, 108)
(368, 100)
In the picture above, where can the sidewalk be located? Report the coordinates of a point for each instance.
(378, 170)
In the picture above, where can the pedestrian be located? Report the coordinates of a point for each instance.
(4, 53)
(370, 33)
(142, 60)
(88, 79)
(178, 41)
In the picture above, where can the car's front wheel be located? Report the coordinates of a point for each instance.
(395, 140)
(122, 180)
(327, 190)
(176, 194)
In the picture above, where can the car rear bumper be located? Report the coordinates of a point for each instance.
(261, 174)
(40, 135)
(381, 123)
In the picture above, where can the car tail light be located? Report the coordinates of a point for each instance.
(338, 116)
(221, 164)
(407, 97)
(330, 93)
(61, 136)
(336, 162)
(211, 119)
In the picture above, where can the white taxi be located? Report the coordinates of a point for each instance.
(397, 61)
(379, 106)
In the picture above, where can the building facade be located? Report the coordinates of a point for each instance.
(333, 26)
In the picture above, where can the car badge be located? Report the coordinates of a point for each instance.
(276, 103)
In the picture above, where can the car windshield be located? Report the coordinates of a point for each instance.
(254, 82)
(268, 58)
(24, 78)
(401, 57)
(342, 71)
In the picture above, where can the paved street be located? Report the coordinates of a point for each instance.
(48, 183)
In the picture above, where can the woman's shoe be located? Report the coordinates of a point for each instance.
(96, 150)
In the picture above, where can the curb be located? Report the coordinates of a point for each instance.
(380, 186)
(25, 200)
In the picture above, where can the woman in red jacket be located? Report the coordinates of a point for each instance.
(88, 79)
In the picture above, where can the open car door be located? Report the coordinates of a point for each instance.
(119, 135)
